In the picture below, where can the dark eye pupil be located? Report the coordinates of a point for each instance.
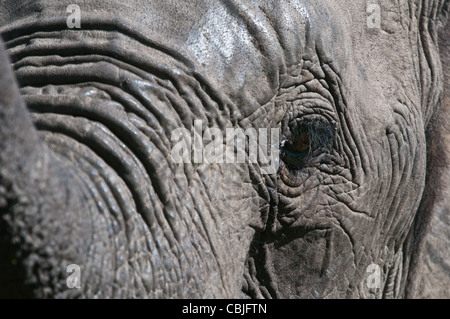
(300, 145)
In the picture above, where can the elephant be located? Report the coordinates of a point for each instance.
(94, 205)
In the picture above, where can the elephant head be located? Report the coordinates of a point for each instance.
(350, 93)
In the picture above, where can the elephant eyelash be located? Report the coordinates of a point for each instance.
(305, 139)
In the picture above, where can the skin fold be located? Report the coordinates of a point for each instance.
(87, 178)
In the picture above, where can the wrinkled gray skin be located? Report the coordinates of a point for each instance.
(92, 182)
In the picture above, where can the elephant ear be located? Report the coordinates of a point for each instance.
(429, 275)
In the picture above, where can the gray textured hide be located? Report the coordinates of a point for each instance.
(358, 208)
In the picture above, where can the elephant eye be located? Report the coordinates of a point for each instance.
(295, 151)
(300, 145)
(304, 139)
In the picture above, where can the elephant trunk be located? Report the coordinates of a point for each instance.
(43, 204)
(87, 180)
